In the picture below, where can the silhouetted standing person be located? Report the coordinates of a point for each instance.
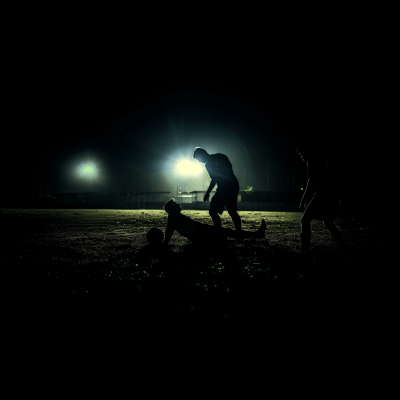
(221, 173)
(321, 197)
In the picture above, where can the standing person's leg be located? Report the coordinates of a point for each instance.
(231, 205)
(216, 219)
(216, 207)
(330, 212)
(305, 233)
(334, 231)
(237, 222)
(321, 208)
(309, 215)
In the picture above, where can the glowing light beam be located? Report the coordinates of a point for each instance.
(188, 168)
(87, 170)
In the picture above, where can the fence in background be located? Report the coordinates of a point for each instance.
(263, 200)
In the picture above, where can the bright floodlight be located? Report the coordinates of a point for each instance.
(87, 170)
(187, 167)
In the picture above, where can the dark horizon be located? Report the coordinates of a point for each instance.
(135, 129)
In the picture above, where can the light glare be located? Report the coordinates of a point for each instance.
(188, 168)
(87, 170)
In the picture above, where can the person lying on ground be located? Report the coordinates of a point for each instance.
(197, 232)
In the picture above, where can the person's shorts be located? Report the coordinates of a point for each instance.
(225, 196)
(323, 208)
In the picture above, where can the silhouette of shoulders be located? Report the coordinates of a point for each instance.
(219, 159)
(219, 164)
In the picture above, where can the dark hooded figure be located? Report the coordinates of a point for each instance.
(321, 197)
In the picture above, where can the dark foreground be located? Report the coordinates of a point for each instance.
(76, 269)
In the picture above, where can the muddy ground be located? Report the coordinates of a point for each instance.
(81, 268)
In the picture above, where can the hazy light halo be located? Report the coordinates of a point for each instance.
(87, 170)
(186, 167)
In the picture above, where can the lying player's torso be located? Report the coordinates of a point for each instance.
(185, 225)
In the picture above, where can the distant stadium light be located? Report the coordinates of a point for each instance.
(87, 170)
(188, 168)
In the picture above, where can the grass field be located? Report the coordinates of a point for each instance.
(94, 267)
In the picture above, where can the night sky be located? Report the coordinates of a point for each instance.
(135, 109)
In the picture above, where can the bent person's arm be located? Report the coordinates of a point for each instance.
(210, 188)
(169, 231)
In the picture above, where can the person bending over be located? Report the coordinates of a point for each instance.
(221, 173)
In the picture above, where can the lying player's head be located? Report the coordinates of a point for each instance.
(305, 151)
(200, 154)
(172, 207)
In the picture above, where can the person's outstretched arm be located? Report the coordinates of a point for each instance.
(211, 187)
(308, 193)
(169, 231)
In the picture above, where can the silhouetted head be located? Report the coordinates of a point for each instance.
(172, 207)
(305, 151)
(200, 154)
